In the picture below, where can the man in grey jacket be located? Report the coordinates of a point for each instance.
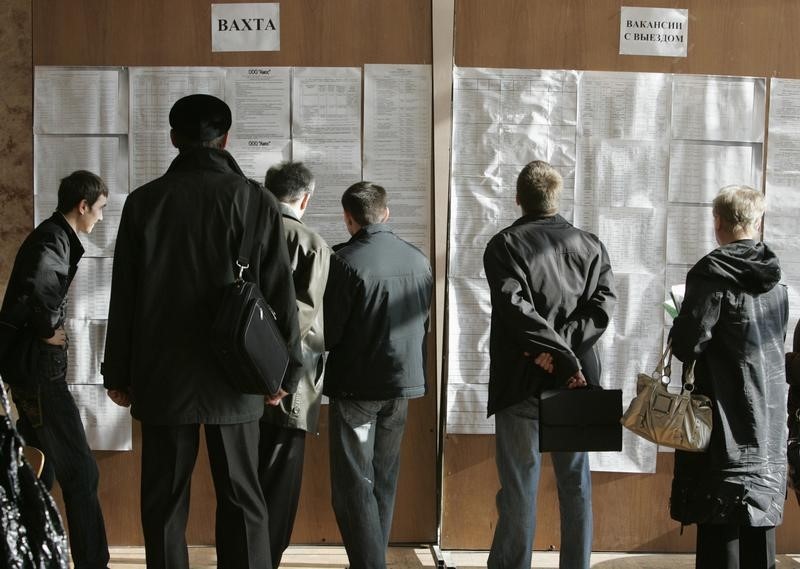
(285, 422)
(552, 295)
(376, 315)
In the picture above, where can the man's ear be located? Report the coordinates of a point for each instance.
(224, 141)
(83, 207)
(385, 216)
(304, 201)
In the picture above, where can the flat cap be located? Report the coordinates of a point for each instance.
(200, 117)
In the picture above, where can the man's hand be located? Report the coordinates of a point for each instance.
(543, 360)
(275, 399)
(57, 339)
(120, 397)
(576, 381)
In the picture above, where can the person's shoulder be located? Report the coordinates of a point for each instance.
(311, 240)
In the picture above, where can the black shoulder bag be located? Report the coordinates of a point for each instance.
(245, 332)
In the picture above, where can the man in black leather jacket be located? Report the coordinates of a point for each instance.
(552, 293)
(376, 320)
(176, 249)
(33, 352)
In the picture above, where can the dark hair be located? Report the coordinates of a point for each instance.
(289, 181)
(78, 186)
(183, 142)
(366, 202)
(539, 188)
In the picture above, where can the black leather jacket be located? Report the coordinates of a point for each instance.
(37, 289)
(178, 239)
(376, 317)
(732, 323)
(552, 291)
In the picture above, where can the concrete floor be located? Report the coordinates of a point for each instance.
(333, 557)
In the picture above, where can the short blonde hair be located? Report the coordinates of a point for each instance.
(539, 188)
(739, 207)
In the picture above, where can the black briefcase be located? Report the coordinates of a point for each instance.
(580, 420)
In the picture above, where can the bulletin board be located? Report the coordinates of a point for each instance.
(733, 37)
(348, 33)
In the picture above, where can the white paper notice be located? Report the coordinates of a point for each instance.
(256, 156)
(58, 156)
(326, 136)
(87, 340)
(107, 425)
(397, 144)
(729, 109)
(90, 290)
(697, 170)
(653, 31)
(73, 100)
(259, 101)
(783, 188)
(624, 105)
(246, 27)
(153, 91)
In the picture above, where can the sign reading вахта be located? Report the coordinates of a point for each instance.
(654, 31)
(245, 27)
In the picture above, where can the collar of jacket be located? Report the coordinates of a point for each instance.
(372, 229)
(287, 211)
(541, 219)
(76, 249)
(205, 159)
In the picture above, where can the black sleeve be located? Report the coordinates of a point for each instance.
(116, 367)
(340, 292)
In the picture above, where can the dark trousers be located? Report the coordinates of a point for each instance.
(735, 547)
(169, 453)
(49, 420)
(280, 471)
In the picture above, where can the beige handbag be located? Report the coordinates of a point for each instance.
(678, 420)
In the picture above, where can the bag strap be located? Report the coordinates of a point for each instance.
(664, 367)
(246, 245)
(6, 404)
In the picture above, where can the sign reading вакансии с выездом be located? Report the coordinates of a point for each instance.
(245, 27)
(654, 31)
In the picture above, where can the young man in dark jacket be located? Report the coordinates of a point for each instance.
(284, 426)
(176, 249)
(33, 352)
(376, 320)
(732, 326)
(552, 294)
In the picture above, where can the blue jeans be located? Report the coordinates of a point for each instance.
(518, 466)
(365, 438)
(49, 420)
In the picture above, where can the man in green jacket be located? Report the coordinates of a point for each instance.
(285, 422)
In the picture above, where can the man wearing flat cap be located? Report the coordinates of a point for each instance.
(177, 244)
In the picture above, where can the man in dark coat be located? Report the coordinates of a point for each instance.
(552, 294)
(732, 325)
(284, 426)
(33, 359)
(376, 320)
(177, 244)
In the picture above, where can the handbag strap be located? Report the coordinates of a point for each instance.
(664, 367)
(6, 404)
(246, 245)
